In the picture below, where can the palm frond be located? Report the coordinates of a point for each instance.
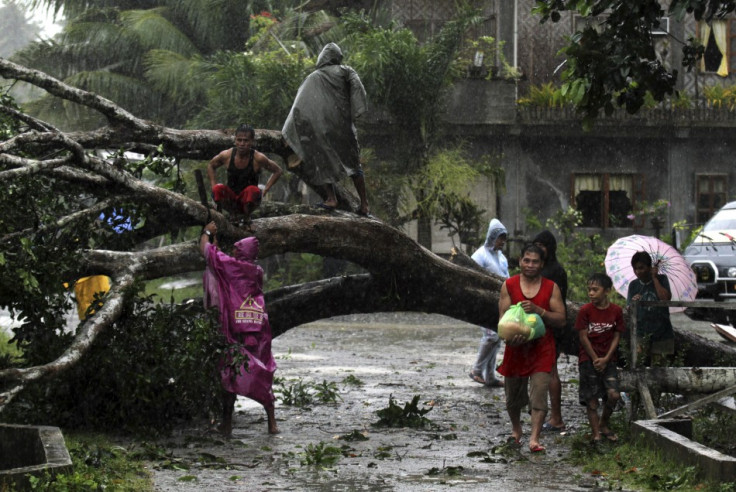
(43, 55)
(314, 29)
(131, 93)
(84, 46)
(154, 31)
(214, 24)
(73, 8)
(99, 45)
(174, 75)
(64, 115)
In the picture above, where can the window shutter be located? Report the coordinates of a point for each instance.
(637, 182)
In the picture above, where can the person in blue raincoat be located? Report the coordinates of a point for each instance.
(490, 257)
(320, 127)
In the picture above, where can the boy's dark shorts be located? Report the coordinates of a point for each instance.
(594, 384)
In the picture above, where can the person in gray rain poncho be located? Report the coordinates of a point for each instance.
(320, 127)
(491, 258)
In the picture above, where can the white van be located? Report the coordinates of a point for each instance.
(712, 255)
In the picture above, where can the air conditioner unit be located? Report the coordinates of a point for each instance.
(664, 27)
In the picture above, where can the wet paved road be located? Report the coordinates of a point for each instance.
(400, 356)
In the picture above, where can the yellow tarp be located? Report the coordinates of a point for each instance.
(85, 290)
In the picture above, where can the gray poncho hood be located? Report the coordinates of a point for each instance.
(331, 55)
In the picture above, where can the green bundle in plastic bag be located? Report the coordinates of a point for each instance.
(517, 322)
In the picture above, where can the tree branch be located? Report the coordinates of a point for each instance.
(114, 113)
(85, 336)
(87, 215)
(33, 123)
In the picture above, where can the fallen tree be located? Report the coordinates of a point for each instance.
(401, 275)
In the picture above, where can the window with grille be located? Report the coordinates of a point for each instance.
(710, 195)
(606, 199)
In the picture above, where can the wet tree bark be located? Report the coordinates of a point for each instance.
(681, 380)
(400, 274)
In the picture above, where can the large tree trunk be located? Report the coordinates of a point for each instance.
(680, 380)
(401, 274)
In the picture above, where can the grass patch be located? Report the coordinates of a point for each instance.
(8, 351)
(179, 295)
(98, 464)
(631, 464)
(320, 455)
(297, 393)
(715, 428)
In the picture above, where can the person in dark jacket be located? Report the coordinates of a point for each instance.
(556, 273)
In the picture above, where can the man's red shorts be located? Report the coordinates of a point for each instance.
(250, 195)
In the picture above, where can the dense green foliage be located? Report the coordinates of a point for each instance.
(257, 88)
(406, 77)
(443, 189)
(37, 265)
(155, 367)
(157, 59)
(714, 428)
(612, 62)
(410, 79)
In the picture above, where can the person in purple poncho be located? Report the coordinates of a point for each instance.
(234, 285)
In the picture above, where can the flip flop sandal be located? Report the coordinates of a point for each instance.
(547, 427)
(477, 378)
(326, 207)
(611, 436)
(538, 449)
(513, 442)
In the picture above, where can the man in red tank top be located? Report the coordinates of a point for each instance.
(243, 163)
(530, 361)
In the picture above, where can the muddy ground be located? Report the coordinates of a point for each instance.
(391, 355)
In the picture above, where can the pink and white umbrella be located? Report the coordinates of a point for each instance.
(683, 283)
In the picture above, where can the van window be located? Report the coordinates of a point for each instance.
(723, 220)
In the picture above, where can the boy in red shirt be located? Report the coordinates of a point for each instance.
(599, 324)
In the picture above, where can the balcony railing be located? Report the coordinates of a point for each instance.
(656, 116)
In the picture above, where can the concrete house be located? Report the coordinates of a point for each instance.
(683, 156)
